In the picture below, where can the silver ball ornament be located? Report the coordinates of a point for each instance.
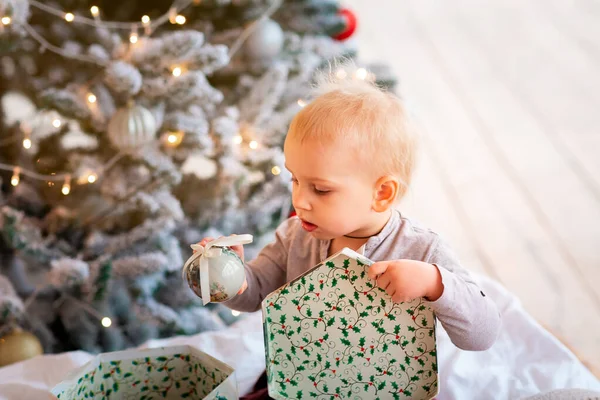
(131, 127)
(265, 42)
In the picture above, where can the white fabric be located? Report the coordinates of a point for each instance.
(240, 346)
(525, 361)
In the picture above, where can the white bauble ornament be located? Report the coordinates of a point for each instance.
(223, 267)
(131, 127)
(265, 42)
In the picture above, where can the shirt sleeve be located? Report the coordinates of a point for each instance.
(266, 272)
(469, 316)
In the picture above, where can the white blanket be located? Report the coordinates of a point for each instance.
(526, 360)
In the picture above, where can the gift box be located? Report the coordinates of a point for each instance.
(333, 334)
(173, 372)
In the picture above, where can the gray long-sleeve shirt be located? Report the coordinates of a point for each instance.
(470, 318)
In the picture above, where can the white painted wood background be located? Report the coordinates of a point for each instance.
(506, 94)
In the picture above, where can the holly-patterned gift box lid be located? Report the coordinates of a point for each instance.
(171, 372)
(333, 334)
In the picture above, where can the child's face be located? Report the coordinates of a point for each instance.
(332, 192)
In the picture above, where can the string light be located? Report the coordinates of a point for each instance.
(253, 145)
(341, 74)
(26, 133)
(91, 98)
(361, 74)
(92, 178)
(6, 20)
(105, 321)
(56, 123)
(174, 139)
(301, 103)
(235, 313)
(181, 5)
(177, 71)
(133, 37)
(172, 15)
(66, 188)
(238, 139)
(146, 23)
(88, 177)
(276, 170)
(15, 178)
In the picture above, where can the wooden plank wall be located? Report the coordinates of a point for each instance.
(506, 95)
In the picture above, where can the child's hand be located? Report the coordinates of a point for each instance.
(238, 249)
(406, 280)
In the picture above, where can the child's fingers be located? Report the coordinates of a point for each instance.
(392, 292)
(204, 241)
(377, 269)
(399, 297)
(383, 281)
(243, 288)
(239, 250)
(237, 247)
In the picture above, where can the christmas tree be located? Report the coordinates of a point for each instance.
(124, 142)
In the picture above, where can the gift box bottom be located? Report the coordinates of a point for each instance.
(175, 372)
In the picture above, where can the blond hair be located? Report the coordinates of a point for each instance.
(350, 108)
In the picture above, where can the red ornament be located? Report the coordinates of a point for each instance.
(350, 24)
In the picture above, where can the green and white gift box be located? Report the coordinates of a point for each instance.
(329, 334)
(172, 372)
(333, 334)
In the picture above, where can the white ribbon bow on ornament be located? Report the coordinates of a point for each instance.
(212, 249)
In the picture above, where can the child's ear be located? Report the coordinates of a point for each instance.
(385, 193)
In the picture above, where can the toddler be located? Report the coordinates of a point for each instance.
(351, 153)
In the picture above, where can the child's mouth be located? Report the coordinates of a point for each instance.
(308, 226)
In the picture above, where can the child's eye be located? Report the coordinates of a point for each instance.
(321, 191)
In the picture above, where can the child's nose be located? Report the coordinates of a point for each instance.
(300, 200)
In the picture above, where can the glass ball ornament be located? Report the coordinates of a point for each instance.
(226, 274)
(18, 345)
(265, 42)
(132, 127)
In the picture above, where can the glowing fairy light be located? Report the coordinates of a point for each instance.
(361, 74)
(15, 177)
